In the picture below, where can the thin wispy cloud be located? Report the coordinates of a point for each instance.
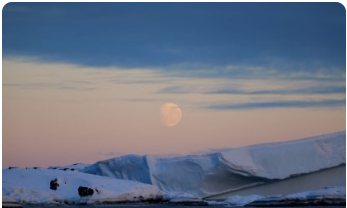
(287, 91)
(279, 104)
(48, 85)
(258, 72)
(136, 99)
(177, 90)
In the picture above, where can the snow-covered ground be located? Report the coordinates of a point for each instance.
(332, 195)
(327, 196)
(34, 186)
(187, 179)
(328, 192)
(236, 201)
(230, 169)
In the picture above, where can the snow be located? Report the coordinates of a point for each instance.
(236, 201)
(188, 178)
(241, 200)
(9, 202)
(7, 199)
(326, 196)
(327, 193)
(173, 196)
(227, 170)
(33, 186)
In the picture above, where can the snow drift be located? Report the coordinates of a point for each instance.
(228, 169)
(34, 186)
(335, 196)
(331, 196)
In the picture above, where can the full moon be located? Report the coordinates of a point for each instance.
(170, 114)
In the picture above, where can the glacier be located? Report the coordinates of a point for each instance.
(233, 169)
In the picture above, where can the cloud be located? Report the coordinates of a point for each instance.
(287, 91)
(44, 85)
(118, 84)
(217, 45)
(136, 99)
(279, 104)
(109, 154)
(176, 90)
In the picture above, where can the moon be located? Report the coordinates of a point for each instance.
(170, 114)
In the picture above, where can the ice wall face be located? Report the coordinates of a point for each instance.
(229, 169)
(129, 167)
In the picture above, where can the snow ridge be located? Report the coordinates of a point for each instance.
(228, 169)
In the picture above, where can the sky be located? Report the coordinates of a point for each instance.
(82, 82)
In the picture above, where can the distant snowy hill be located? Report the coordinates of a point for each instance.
(235, 169)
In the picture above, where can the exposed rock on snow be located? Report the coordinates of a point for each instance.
(85, 191)
(54, 184)
(228, 169)
(73, 167)
(33, 186)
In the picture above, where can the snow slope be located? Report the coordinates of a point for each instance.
(332, 195)
(328, 196)
(228, 169)
(328, 192)
(33, 186)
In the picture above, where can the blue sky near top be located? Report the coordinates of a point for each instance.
(179, 36)
(299, 42)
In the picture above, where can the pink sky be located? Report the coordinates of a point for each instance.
(58, 114)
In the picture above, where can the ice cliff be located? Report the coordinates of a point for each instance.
(228, 169)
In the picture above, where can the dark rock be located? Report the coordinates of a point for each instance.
(85, 191)
(54, 184)
(11, 167)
